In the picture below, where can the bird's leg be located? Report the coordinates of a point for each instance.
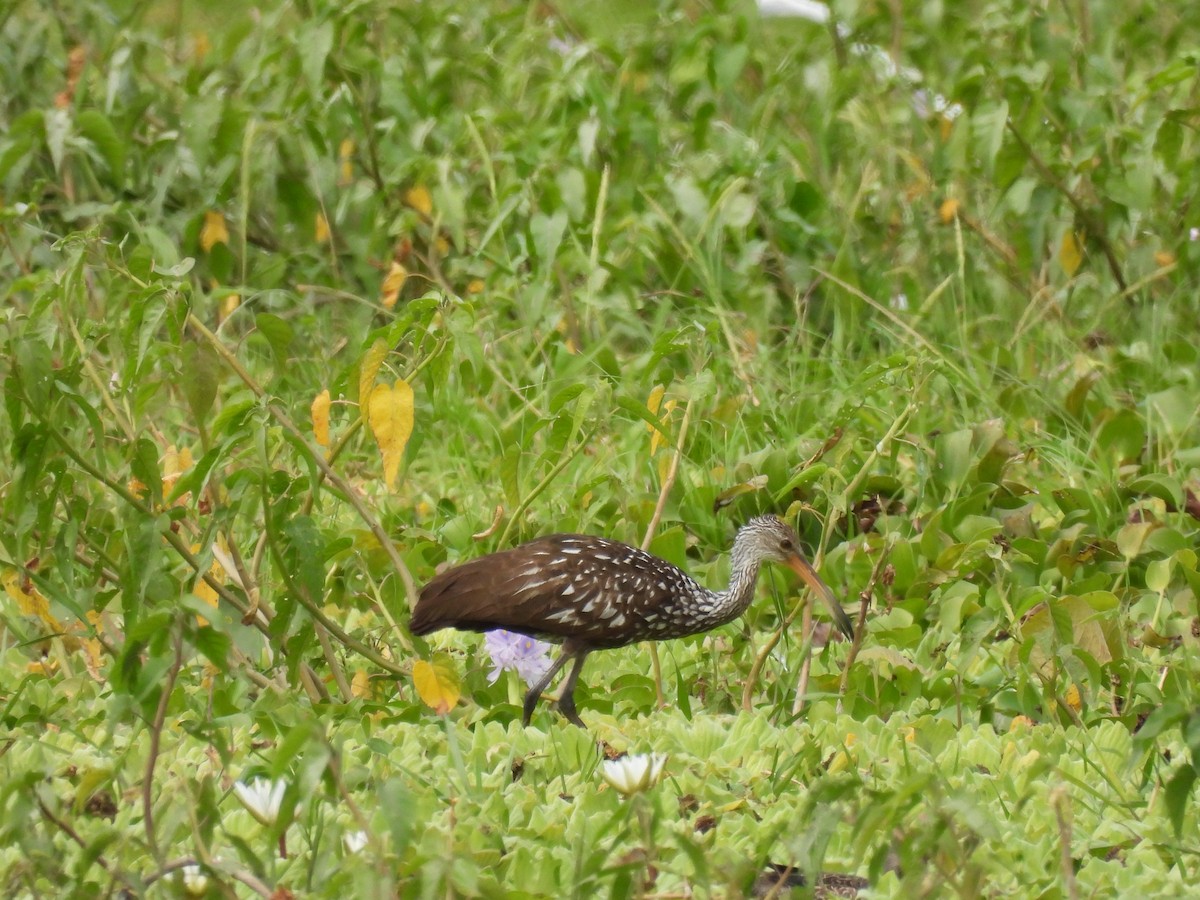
(531, 698)
(566, 696)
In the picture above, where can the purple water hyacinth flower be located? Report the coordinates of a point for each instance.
(529, 657)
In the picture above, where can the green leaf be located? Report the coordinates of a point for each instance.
(400, 811)
(98, 129)
(304, 550)
(146, 469)
(315, 44)
(58, 129)
(989, 124)
(1178, 790)
(547, 233)
(952, 458)
(1122, 436)
(200, 368)
(805, 199)
(279, 334)
(215, 645)
(33, 368)
(1078, 394)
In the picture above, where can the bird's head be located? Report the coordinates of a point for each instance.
(770, 538)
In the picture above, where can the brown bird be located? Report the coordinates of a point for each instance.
(590, 593)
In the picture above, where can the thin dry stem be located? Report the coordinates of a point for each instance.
(156, 728)
(664, 492)
(331, 475)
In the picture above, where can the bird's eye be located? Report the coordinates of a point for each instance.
(785, 544)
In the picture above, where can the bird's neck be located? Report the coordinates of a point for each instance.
(733, 601)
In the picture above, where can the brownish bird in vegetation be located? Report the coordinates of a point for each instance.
(590, 593)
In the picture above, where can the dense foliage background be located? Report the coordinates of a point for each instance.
(924, 283)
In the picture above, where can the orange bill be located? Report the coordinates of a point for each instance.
(804, 569)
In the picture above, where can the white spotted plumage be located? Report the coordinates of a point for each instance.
(593, 593)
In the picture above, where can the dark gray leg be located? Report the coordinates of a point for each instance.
(566, 697)
(531, 698)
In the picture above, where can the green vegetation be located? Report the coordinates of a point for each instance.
(957, 347)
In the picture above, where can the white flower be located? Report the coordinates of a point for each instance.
(262, 798)
(634, 772)
(354, 841)
(1194, 234)
(195, 882)
(800, 9)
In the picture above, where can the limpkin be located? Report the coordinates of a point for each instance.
(591, 593)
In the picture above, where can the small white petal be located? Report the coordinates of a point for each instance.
(633, 772)
(195, 882)
(354, 841)
(262, 798)
(800, 9)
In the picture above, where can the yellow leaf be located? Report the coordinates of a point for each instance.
(229, 303)
(437, 684)
(945, 128)
(441, 245)
(840, 761)
(320, 418)
(418, 198)
(664, 465)
(1070, 252)
(206, 591)
(393, 283)
(475, 286)
(345, 168)
(360, 685)
(948, 211)
(654, 401)
(200, 45)
(367, 371)
(1164, 258)
(1073, 699)
(322, 228)
(175, 463)
(93, 658)
(42, 667)
(30, 602)
(214, 231)
(390, 413)
(656, 438)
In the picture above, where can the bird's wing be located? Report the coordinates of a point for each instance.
(559, 586)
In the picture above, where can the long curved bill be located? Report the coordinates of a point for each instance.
(804, 569)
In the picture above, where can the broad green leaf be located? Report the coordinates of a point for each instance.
(547, 233)
(58, 129)
(279, 334)
(199, 382)
(1177, 794)
(98, 129)
(146, 469)
(989, 126)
